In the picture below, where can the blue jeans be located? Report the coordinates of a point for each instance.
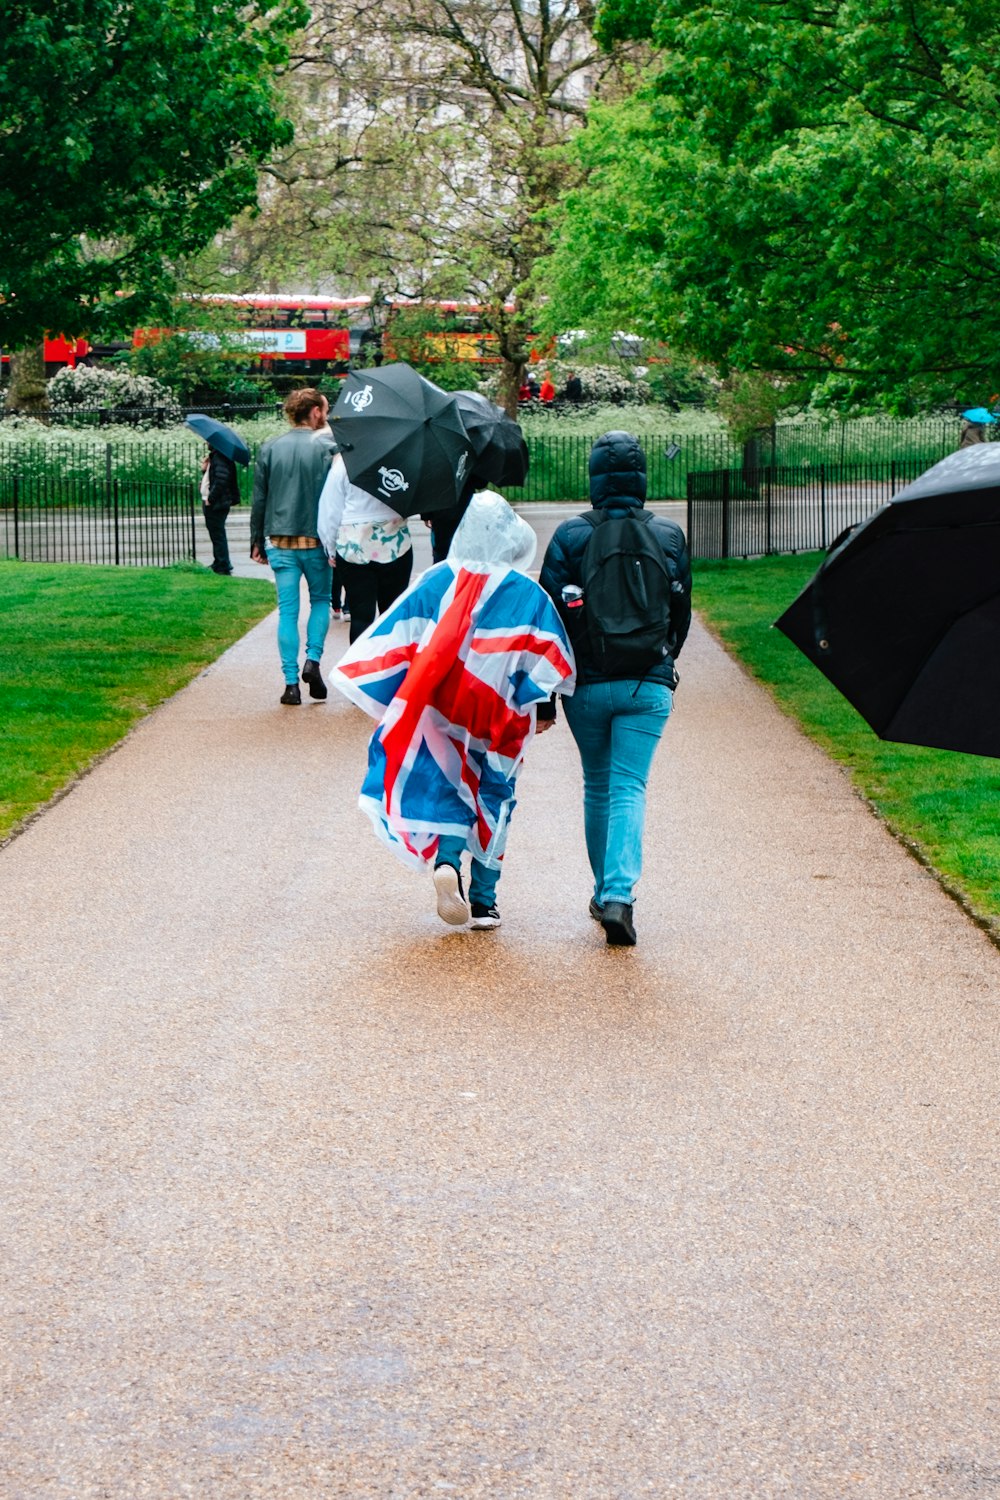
(482, 881)
(617, 727)
(291, 565)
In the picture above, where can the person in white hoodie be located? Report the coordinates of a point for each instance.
(371, 544)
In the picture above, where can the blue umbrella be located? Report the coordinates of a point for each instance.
(218, 436)
(978, 414)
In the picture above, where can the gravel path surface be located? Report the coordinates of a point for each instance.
(305, 1195)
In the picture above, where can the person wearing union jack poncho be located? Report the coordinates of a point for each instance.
(455, 672)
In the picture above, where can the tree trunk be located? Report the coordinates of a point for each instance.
(28, 394)
(511, 378)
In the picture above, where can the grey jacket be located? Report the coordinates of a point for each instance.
(287, 482)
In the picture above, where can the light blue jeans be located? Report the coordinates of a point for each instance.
(482, 880)
(290, 565)
(617, 727)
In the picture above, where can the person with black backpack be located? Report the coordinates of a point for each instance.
(621, 580)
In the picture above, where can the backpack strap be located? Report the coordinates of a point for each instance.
(595, 517)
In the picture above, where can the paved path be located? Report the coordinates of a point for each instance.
(303, 1195)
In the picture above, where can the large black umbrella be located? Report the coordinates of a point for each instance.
(903, 616)
(218, 436)
(402, 439)
(500, 452)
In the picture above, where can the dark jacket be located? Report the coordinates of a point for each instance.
(223, 485)
(618, 484)
(287, 481)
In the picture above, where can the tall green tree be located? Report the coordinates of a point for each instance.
(809, 189)
(132, 132)
(424, 155)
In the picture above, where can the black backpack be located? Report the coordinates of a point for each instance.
(626, 594)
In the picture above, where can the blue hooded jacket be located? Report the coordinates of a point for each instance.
(618, 484)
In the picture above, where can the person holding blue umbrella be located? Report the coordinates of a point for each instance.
(220, 488)
(974, 424)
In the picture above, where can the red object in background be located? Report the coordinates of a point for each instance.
(60, 351)
(64, 351)
(332, 344)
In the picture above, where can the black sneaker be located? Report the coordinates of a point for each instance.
(484, 916)
(616, 919)
(291, 695)
(452, 906)
(311, 675)
(595, 909)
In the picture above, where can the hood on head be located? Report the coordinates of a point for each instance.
(492, 535)
(617, 468)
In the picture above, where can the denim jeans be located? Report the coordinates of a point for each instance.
(617, 727)
(482, 881)
(290, 565)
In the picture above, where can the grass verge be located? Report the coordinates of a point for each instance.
(88, 651)
(942, 804)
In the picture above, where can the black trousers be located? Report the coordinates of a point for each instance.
(215, 522)
(369, 588)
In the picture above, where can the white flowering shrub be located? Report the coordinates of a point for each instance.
(609, 385)
(124, 396)
(604, 383)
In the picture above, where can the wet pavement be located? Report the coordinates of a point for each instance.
(306, 1195)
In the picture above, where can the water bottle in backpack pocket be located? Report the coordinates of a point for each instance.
(627, 586)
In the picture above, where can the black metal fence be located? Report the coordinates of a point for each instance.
(753, 513)
(559, 461)
(147, 523)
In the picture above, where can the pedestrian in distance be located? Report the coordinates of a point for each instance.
(546, 391)
(621, 580)
(455, 673)
(368, 543)
(971, 433)
(284, 532)
(574, 389)
(220, 490)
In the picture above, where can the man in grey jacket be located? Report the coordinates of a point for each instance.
(287, 482)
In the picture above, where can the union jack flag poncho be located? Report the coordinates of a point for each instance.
(454, 671)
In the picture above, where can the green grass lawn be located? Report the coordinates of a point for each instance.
(944, 804)
(88, 651)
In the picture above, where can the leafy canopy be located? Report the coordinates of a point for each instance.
(807, 189)
(131, 131)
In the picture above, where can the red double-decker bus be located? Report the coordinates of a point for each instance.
(305, 335)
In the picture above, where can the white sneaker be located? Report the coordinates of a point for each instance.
(484, 917)
(452, 906)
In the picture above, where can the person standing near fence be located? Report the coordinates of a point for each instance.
(621, 580)
(289, 476)
(220, 491)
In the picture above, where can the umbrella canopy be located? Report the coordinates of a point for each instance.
(218, 436)
(978, 414)
(500, 452)
(903, 617)
(402, 439)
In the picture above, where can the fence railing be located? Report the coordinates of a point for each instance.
(124, 523)
(754, 513)
(66, 485)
